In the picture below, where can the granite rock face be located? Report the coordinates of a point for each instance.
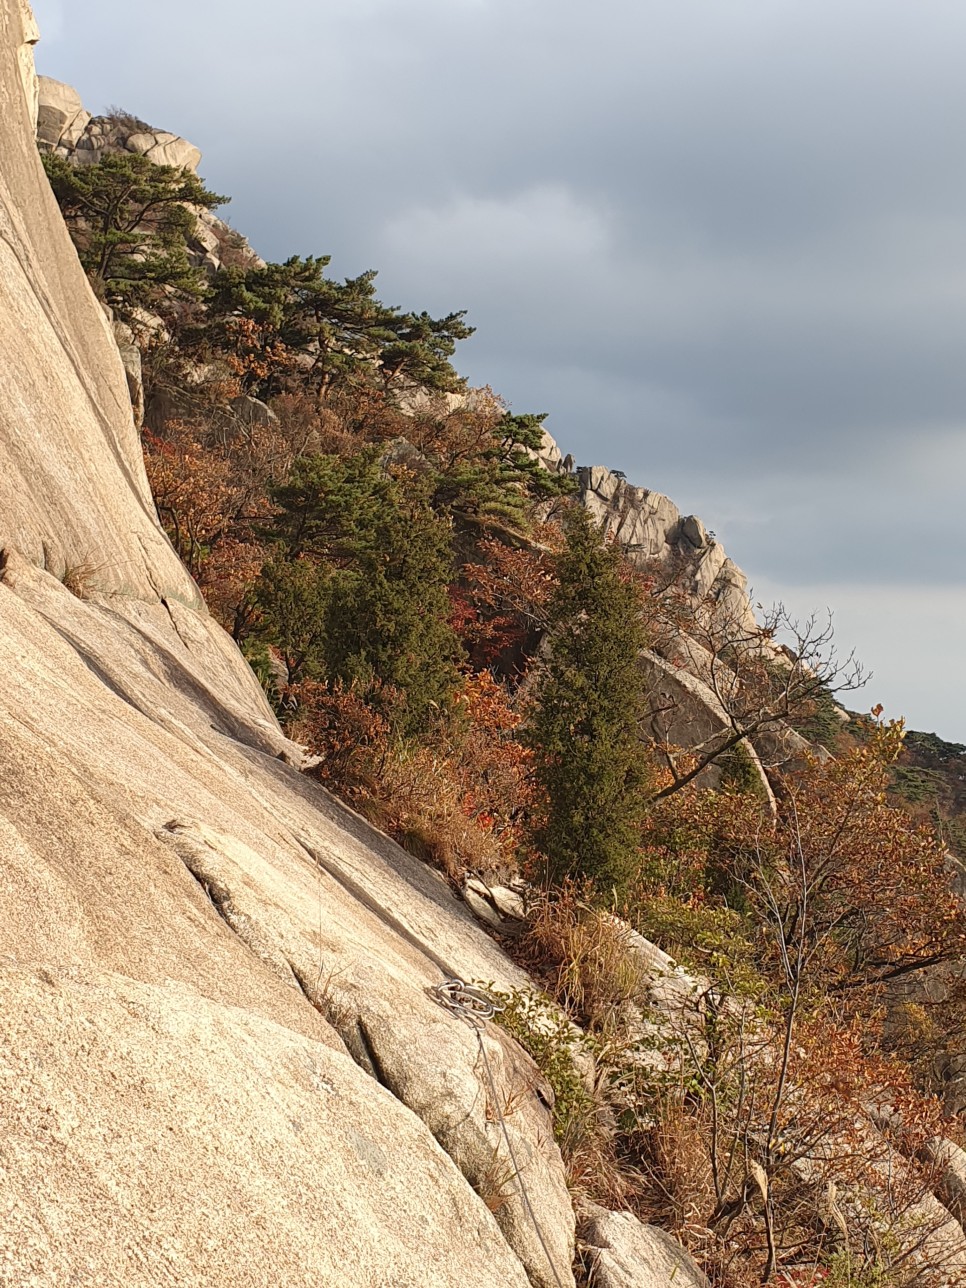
(73, 491)
(152, 1135)
(22, 34)
(131, 361)
(222, 1061)
(154, 834)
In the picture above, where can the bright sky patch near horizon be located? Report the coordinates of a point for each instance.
(721, 242)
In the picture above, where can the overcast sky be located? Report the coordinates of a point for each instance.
(721, 242)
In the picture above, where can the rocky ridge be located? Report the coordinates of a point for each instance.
(674, 547)
(654, 532)
(647, 524)
(65, 127)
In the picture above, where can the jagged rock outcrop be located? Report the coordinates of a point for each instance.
(711, 593)
(65, 127)
(653, 531)
(658, 538)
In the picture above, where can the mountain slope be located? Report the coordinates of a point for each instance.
(200, 970)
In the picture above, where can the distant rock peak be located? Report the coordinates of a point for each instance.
(64, 126)
(654, 533)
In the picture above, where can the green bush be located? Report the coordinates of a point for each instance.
(551, 1039)
(356, 591)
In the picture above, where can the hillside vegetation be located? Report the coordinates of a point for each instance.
(434, 616)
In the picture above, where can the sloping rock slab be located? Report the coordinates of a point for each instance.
(149, 829)
(151, 1137)
(357, 965)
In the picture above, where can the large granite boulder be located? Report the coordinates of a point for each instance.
(623, 1253)
(164, 149)
(948, 1161)
(61, 118)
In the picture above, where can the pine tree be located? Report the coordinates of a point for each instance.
(293, 597)
(347, 331)
(376, 610)
(389, 615)
(589, 760)
(130, 221)
(487, 461)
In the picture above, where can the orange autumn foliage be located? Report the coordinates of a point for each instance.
(871, 888)
(501, 601)
(456, 798)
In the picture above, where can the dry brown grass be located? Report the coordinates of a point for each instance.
(424, 808)
(498, 1183)
(582, 955)
(79, 580)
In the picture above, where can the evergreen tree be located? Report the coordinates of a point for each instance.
(389, 615)
(376, 609)
(342, 327)
(487, 463)
(293, 597)
(130, 221)
(417, 354)
(589, 696)
(328, 503)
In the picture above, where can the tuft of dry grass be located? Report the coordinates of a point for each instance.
(497, 1184)
(80, 578)
(580, 952)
